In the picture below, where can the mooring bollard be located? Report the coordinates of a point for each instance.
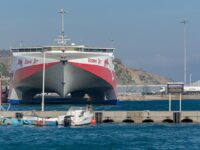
(98, 117)
(177, 117)
(18, 115)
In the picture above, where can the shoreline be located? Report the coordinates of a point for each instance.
(139, 97)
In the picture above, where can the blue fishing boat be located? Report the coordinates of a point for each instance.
(12, 121)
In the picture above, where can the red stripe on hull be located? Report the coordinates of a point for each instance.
(25, 72)
(99, 71)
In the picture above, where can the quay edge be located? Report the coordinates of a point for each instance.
(123, 116)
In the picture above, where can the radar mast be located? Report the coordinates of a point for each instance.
(62, 38)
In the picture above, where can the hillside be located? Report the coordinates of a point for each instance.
(3, 70)
(127, 76)
(5, 62)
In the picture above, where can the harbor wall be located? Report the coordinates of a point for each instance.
(123, 116)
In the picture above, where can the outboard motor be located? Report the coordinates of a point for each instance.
(18, 116)
(67, 121)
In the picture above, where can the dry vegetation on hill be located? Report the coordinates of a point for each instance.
(130, 76)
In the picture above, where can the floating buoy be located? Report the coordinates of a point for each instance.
(8, 123)
(93, 121)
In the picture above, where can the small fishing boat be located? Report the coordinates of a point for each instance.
(77, 116)
(50, 121)
(1, 119)
(29, 120)
(12, 121)
(39, 121)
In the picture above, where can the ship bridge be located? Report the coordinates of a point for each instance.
(78, 48)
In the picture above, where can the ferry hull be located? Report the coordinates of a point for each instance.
(64, 77)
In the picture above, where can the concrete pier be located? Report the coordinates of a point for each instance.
(150, 116)
(123, 116)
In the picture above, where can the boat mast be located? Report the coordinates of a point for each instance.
(62, 38)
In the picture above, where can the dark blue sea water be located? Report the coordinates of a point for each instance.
(156, 105)
(103, 136)
(109, 136)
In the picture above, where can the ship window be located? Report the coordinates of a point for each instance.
(15, 50)
(78, 49)
(98, 50)
(39, 50)
(109, 50)
(33, 50)
(21, 50)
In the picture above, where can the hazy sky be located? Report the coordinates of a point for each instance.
(146, 33)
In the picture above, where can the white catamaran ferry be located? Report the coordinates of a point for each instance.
(70, 69)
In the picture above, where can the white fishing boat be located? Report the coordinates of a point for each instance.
(76, 116)
(29, 120)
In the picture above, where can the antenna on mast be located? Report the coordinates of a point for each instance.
(62, 12)
(62, 39)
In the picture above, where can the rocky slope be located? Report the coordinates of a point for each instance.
(130, 76)
(5, 62)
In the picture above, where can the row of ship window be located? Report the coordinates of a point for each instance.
(84, 50)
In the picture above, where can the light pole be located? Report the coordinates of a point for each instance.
(184, 22)
(20, 43)
(0, 91)
(190, 79)
(43, 79)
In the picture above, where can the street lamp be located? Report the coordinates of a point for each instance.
(20, 43)
(43, 79)
(0, 91)
(184, 22)
(190, 79)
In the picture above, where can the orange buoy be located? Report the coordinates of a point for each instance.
(93, 121)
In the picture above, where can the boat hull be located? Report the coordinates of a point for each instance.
(78, 117)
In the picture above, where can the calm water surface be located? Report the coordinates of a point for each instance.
(105, 136)
(157, 105)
